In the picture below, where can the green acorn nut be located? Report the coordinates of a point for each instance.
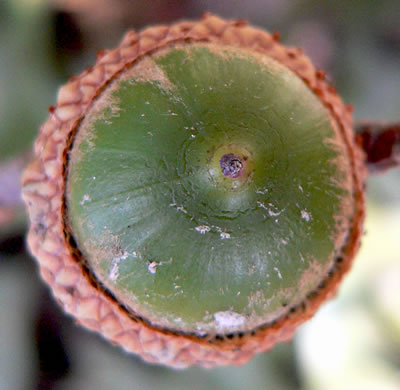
(197, 194)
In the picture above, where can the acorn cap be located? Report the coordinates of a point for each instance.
(197, 194)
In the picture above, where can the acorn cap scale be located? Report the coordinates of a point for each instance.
(197, 194)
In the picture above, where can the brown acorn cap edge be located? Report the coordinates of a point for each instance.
(44, 186)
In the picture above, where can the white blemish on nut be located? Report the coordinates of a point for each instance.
(306, 215)
(270, 208)
(152, 267)
(262, 205)
(202, 229)
(262, 191)
(229, 319)
(182, 209)
(273, 213)
(179, 208)
(276, 269)
(114, 271)
(85, 198)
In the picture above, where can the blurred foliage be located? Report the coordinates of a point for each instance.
(352, 343)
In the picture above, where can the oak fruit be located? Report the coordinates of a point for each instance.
(197, 194)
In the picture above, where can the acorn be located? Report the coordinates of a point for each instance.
(197, 194)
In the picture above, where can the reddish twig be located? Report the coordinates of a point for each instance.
(381, 144)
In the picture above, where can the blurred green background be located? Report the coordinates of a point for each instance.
(352, 343)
